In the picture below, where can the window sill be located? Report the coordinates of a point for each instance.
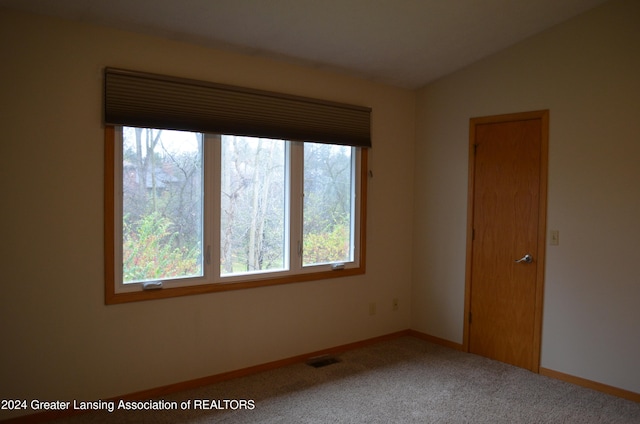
(111, 297)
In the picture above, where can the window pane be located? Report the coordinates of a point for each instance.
(253, 205)
(162, 204)
(328, 205)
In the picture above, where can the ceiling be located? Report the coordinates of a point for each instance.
(406, 43)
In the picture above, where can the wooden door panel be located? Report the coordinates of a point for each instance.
(506, 190)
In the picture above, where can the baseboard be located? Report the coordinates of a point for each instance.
(436, 340)
(615, 391)
(157, 392)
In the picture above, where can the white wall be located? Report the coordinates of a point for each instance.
(587, 73)
(59, 339)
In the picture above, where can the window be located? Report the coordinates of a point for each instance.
(160, 217)
(328, 206)
(254, 222)
(208, 187)
(197, 213)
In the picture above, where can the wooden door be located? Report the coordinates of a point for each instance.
(507, 223)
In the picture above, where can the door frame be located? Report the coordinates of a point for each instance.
(543, 115)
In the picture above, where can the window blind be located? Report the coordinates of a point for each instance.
(156, 101)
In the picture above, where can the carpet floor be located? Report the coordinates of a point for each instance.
(405, 380)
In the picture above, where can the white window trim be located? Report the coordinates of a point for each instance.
(211, 281)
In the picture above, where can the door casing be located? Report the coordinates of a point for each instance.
(543, 115)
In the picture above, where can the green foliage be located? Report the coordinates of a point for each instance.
(150, 251)
(328, 246)
(327, 204)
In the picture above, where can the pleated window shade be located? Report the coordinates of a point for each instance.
(155, 101)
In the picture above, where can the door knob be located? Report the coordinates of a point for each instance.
(526, 259)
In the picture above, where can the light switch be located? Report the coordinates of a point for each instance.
(555, 238)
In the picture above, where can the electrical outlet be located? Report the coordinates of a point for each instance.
(396, 306)
(372, 308)
(555, 238)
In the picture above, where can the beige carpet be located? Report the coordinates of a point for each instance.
(406, 380)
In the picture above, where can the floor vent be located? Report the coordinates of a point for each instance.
(322, 361)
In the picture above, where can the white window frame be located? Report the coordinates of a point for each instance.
(211, 281)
